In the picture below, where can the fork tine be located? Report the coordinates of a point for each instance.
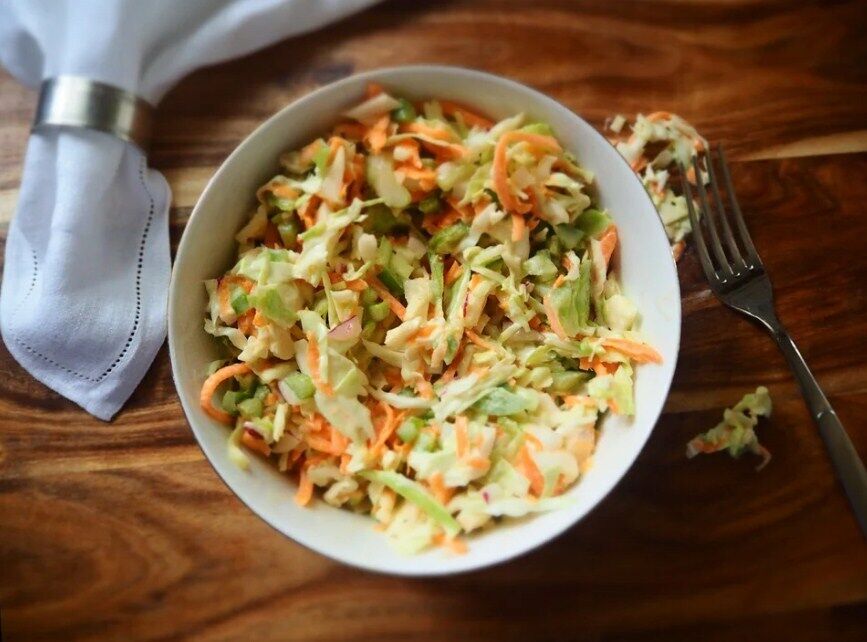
(703, 256)
(734, 251)
(710, 219)
(746, 239)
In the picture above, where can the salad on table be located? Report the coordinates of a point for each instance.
(424, 323)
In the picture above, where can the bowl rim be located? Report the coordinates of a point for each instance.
(373, 75)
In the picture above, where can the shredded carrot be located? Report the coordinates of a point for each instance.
(377, 134)
(518, 227)
(479, 463)
(281, 190)
(410, 149)
(443, 151)
(533, 439)
(452, 370)
(481, 342)
(354, 131)
(255, 443)
(531, 471)
(344, 463)
(439, 488)
(690, 175)
(553, 319)
(223, 291)
(614, 407)
(452, 543)
(258, 319)
(431, 132)
(578, 400)
(470, 118)
(453, 273)
(639, 352)
(596, 365)
(305, 489)
(395, 305)
(388, 427)
(426, 178)
(461, 436)
(638, 164)
(425, 390)
(308, 152)
(339, 440)
(308, 214)
(499, 170)
(210, 387)
(535, 323)
(677, 250)
(560, 280)
(608, 242)
(357, 285)
(393, 377)
(313, 364)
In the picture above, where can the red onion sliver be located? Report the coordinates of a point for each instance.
(346, 331)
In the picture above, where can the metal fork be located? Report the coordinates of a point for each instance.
(737, 276)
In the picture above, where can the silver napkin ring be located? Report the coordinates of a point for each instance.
(74, 101)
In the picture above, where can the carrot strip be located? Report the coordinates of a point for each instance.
(395, 305)
(351, 130)
(578, 400)
(425, 390)
(470, 118)
(392, 420)
(455, 545)
(308, 152)
(560, 280)
(313, 364)
(596, 365)
(639, 352)
(529, 469)
(439, 488)
(209, 387)
(358, 285)
(377, 134)
(323, 445)
(553, 319)
(461, 436)
(431, 132)
(305, 488)
(479, 463)
(479, 341)
(453, 273)
(499, 170)
(410, 149)
(255, 443)
(608, 242)
(518, 227)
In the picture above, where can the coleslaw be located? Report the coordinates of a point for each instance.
(424, 321)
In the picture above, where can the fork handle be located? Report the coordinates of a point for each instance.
(850, 468)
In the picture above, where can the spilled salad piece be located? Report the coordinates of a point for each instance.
(736, 432)
(423, 321)
(655, 146)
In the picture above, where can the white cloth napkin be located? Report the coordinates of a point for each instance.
(83, 300)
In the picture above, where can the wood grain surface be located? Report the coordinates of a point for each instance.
(122, 531)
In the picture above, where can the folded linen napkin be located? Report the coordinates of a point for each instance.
(83, 298)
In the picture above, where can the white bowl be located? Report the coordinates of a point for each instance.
(208, 247)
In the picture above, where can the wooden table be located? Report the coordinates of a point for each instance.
(123, 531)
